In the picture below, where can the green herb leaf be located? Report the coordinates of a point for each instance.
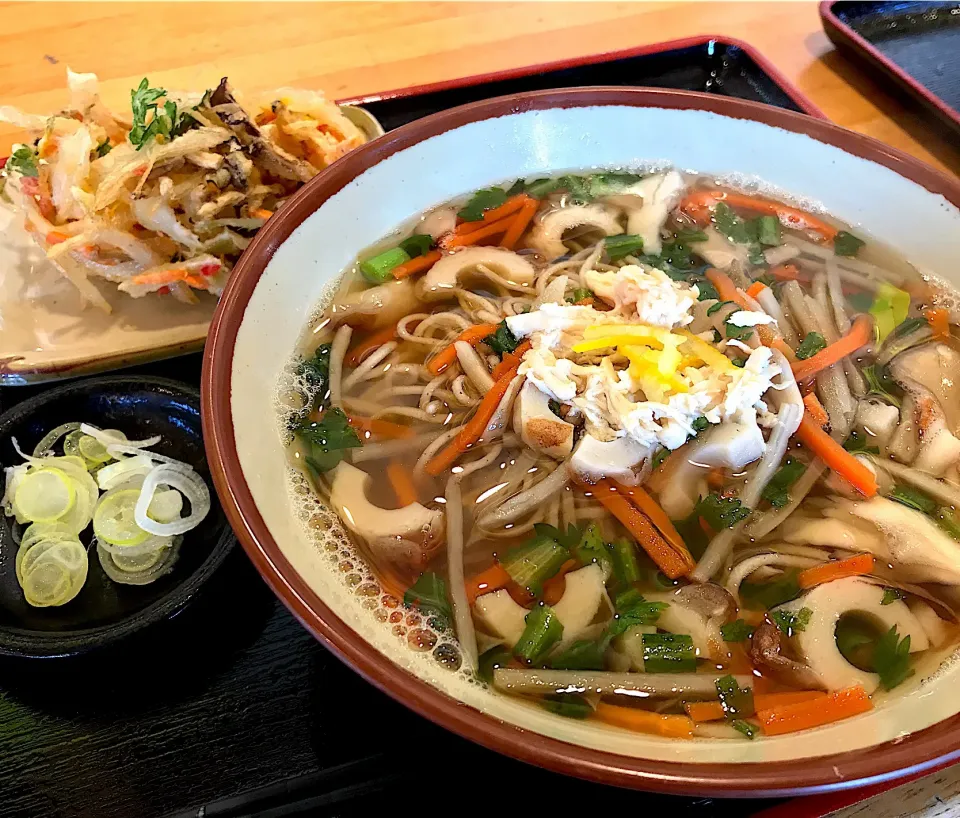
(517, 187)
(913, 498)
(881, 384)
(812, 343)
(690, 236)
(624, 245)
(891, 659)
(846, 244)
(164, 120)
(659, 456)
(591, 547)
(719, 306)
(581, 655)
(790, 622)
(737, 702)
(555, 406)
(429, 595)
(482, 201)
(740, 363)
(23, 160)
(857, 444)
(669, 653)
(765, 595)
(569, 705)
(700, 424)
(579, 294)
(738, 333)
(777, 491)
(745, 727)
(502, 341)
(731, 225)
(890, 595)
(946, 518)
(908, 326)
(316, 372)
(103, 148)
(738, 631)
(707, 291)
(418, 244)
(768, 230)
(542, 631)
(633, 609)
(856, 639)
(329, 439)
(721, 512)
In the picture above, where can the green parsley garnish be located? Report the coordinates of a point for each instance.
(23, 160)
(812, 343)
(790, 622)
(482, 201)
(429, 595)
(777, 491)
(737, 631)
(329, 439)
(502, 341)
(846, 244)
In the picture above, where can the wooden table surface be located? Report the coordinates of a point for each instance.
(348, 49)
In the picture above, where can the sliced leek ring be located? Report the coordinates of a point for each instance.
(71, 443)
(117, 567)
(166, 505)
(45, 495)
(113, 520)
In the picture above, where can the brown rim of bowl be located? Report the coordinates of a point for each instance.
(901, 757)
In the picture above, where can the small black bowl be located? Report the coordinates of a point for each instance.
(105, 612)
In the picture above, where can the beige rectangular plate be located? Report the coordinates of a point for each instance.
(47, 334)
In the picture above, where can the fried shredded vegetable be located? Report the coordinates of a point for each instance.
(166, 197)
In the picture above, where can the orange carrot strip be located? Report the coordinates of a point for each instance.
(724, 285)
(376, 427)
(520, 222)
(816, 410)
(855, 566)
(261, 213)
(785, 272)
(645, 503)
(416, 265)
(643, 721)
(700, 201)
(55, 237)
(472, 335)
(713, 711)
(673, 561)
(486, 582)
(511, 360)
(485, 232)
(554, 587)
(471, 431)
(859, 335)
(789, 718)
(939, 320)
(836, 457)
(370, 343)
(756, 288)
(402, 483)
(161, 277)
(728, 291)
(508, 208)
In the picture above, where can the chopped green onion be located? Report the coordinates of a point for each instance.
(569, 539)
(812, 343)
(377, 270)
(669, 653)
(626, 568)
(624, 245)
(890, 307)
(846, 244)
(418, 244)
(768, 231)
(570, 705)
(543, 630)
(541, 187)
(737, 701)
(581, 655)
(534, 562)
(579, 294)
(745, 727)
(489, 661)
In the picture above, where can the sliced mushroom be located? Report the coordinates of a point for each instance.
(936, 367)
(584, 596)
(499, 614)
(547, 235)
(697, 610)
(660, 194)
(391, 531)
(376, 307)
(765, 651)
(817, 642)
(919, 549)
(538, 426)
(455, 269)
(877, 421)
(732, 445)
(828, 532)
(621, 459)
